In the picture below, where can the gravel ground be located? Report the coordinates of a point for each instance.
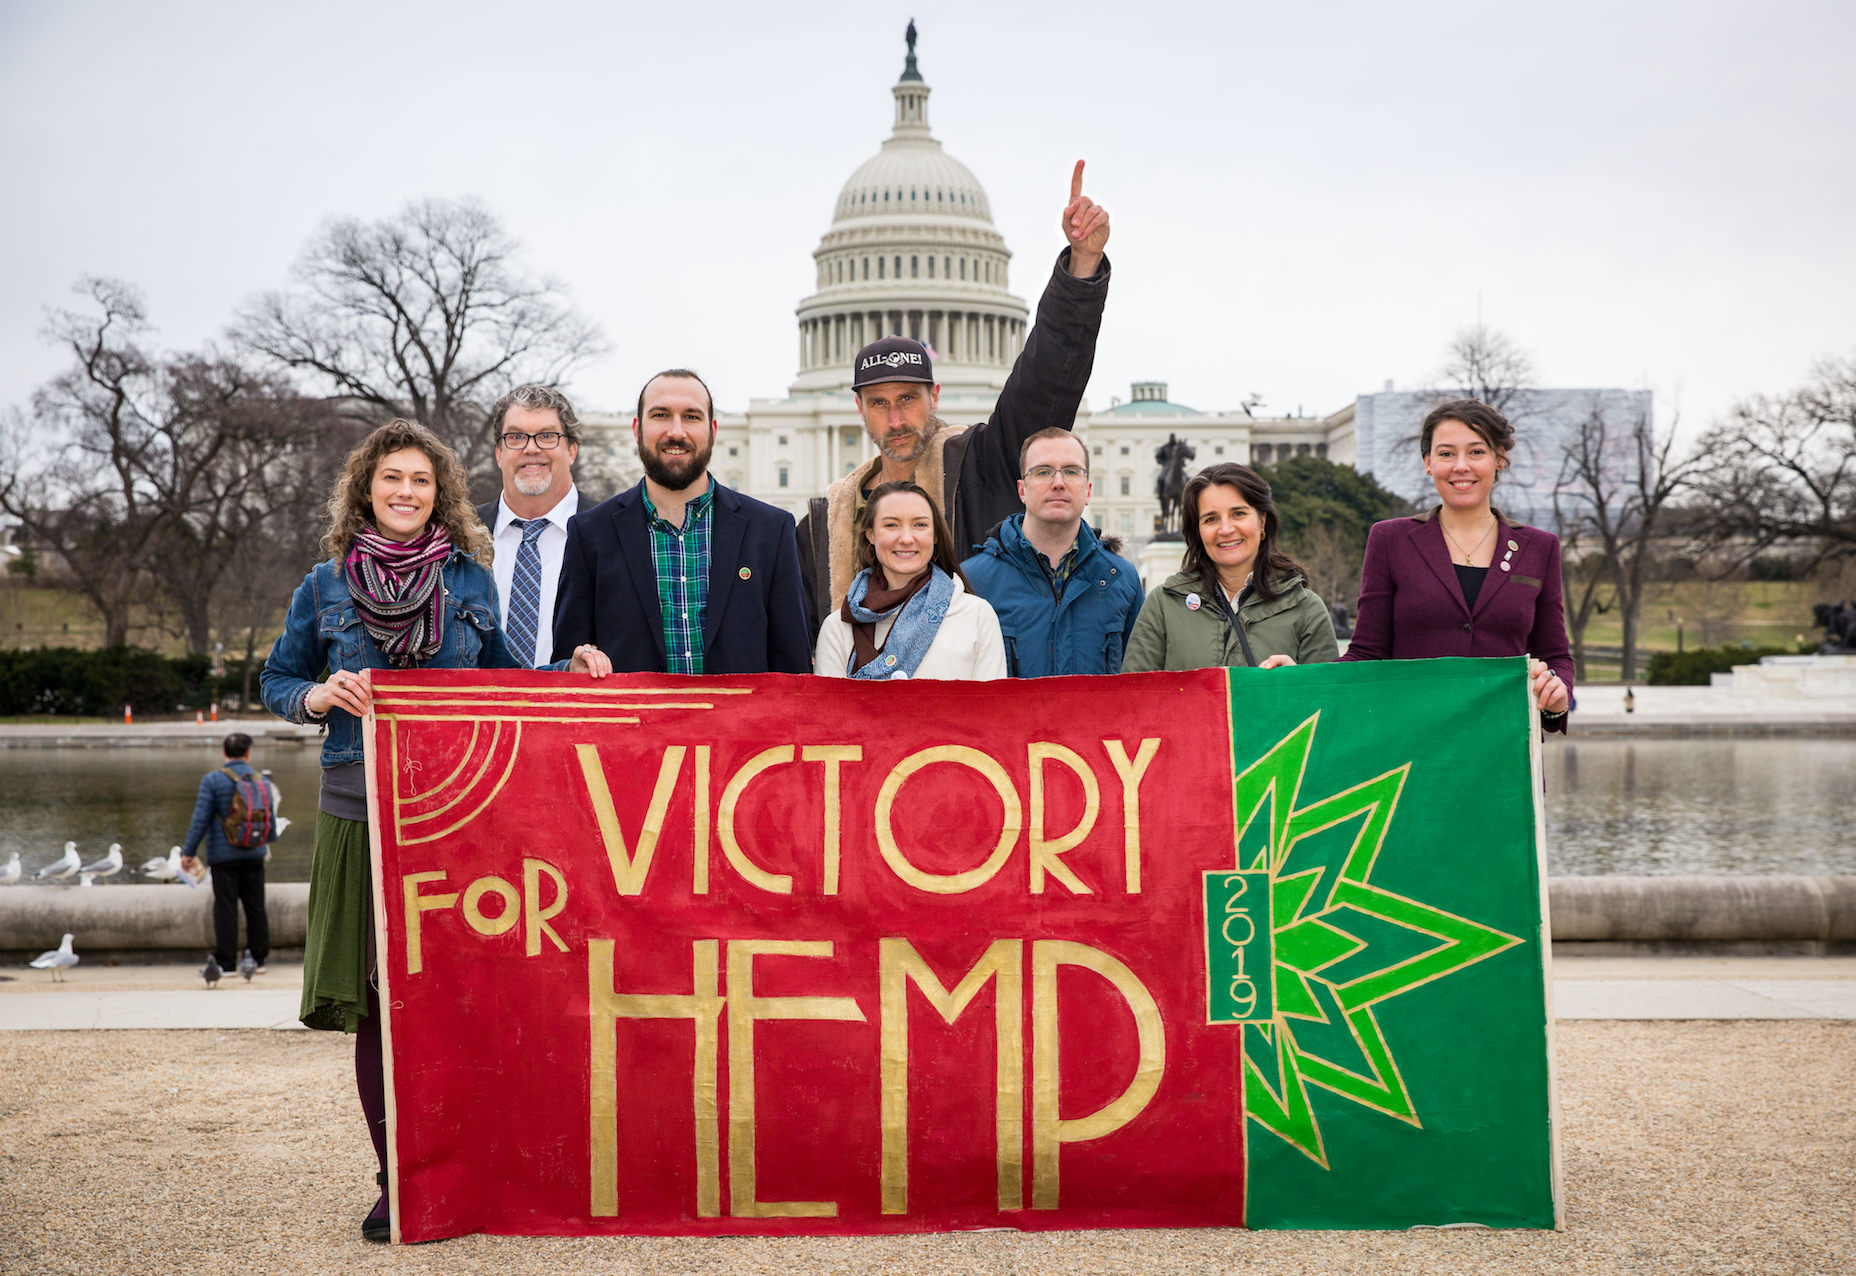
(1690, 1147)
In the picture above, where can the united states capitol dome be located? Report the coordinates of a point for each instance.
(912, 251)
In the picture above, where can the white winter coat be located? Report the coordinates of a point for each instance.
(967, 647)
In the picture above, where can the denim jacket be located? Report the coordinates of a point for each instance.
(324, 632)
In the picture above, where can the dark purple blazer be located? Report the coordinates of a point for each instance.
(1412, 608)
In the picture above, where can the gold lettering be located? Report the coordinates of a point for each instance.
(606, 1007)
(899, 963)
(778, 883)
(948, 883)
(1131, 773)
(1044, 852)
(743, 1009)
(699, 883)
(832, 755)
(1049, 1131)
(473, 901)
(628, 869)
(535, 915)
(416, 904)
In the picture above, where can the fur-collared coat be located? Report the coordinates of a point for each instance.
(971, 472)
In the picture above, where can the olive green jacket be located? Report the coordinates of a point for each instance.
(1172, 635)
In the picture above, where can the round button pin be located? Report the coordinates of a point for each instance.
(1505, 565)
(747, 573)
(1512, 547)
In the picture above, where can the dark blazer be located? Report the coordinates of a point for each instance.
(1412, 608)
(756, 622)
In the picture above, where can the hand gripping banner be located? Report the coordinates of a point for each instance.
(771, 955)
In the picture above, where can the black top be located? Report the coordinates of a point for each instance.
(1470, 579)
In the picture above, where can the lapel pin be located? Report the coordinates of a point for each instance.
(1505, 564)
(1192, 602)
(747, 573)
(1512, 547)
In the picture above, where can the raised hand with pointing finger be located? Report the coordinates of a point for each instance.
(1085, 225)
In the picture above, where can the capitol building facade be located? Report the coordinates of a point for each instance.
(912, 251)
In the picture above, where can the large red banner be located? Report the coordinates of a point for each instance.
(773, 955)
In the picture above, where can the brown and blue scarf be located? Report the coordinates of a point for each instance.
(396, 589)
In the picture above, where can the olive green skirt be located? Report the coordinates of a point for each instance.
(336, 954)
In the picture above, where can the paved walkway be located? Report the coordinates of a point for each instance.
(1677, 711)
(1583, 988)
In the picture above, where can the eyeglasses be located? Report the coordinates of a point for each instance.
(547, 440)
(1045, 473)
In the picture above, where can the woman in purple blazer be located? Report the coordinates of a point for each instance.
(1462, 579)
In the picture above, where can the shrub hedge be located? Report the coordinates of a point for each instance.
(1691, 668)
(66, 680)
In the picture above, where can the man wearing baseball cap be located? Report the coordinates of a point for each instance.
(971, 471)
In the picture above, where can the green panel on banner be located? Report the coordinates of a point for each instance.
(1402, 1076)
(1238, 944)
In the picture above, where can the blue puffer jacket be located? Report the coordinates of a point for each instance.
(211, 808)
(323, 632)
(1085, 631)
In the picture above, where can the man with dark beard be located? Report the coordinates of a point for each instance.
(971, 472)
(679, 574)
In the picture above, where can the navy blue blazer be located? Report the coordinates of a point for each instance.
(756, 622)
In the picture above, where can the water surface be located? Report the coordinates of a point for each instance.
(1613, 806)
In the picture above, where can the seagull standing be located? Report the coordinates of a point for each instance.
(58, 960)
(63, 869)
(109, 865)
(10, 873)
(164, 869)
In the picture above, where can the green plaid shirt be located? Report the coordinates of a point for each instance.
(1059, 576)
(681, 557)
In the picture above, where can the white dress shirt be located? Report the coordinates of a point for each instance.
(553, 547)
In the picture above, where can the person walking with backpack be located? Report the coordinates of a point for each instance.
(236, 817)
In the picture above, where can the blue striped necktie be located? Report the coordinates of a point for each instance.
(525, 592)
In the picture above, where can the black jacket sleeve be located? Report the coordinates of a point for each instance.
(789, 635)
(573, 600)
(1044, 390)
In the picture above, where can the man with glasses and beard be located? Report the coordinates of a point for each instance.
(537, 443)
(679, 574)
(970, 472)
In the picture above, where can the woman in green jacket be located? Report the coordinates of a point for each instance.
(1238, 599)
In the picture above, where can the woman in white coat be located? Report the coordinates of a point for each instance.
(910, 612)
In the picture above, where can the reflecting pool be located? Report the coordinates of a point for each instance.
(1774, 805)
(1613, 806)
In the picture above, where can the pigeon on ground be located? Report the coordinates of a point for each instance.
(10, 873)
(58, 960)
(109, 865)
(247, 966)
(165, 868)
(211, 972)
(63, 869)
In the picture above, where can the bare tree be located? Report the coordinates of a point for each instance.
(104, 468)
(1615, 482)
(427, 314)
(269, 436)
(1783, 469)
(1486, 364)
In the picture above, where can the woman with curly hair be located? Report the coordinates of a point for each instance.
(1238, 599)
(407, 585)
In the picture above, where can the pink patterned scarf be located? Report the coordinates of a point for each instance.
(396, 588)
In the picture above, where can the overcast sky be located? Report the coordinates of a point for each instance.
(1308, 199)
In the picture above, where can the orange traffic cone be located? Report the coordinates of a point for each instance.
(128, 716)
(199, 719)
(215, 711)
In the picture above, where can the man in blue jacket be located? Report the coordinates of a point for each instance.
(238, 871)
(1066, 603)
(680, 574)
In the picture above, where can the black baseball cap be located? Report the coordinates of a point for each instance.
(892, 359)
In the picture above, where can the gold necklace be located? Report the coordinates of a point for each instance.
(1459, 544)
